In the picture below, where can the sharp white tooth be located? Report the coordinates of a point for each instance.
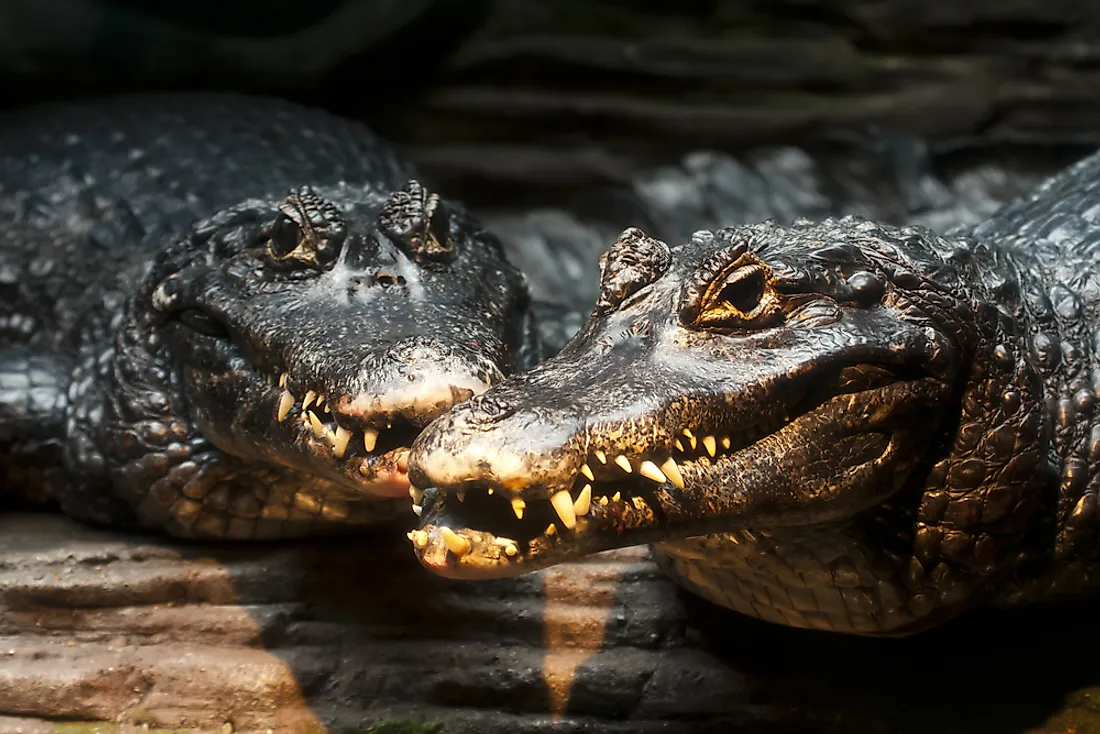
(461, 496)
(725, 442)
(370, 436)
(518, 506)
(318, 426)
(600, 456)
(679, 446)
(286, 402)
(587, 471)
(584, 501)
(624, 463)
(510, 550)
(711, 445)
(416, 494)
(673, 472)
(417, 509)
(649, 470)
(282, 380)
(616, 497)
(308, 399)
(563, 505)
(455, 543)
(340, 441)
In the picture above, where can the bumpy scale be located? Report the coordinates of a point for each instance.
(228, 317)
(838, 425)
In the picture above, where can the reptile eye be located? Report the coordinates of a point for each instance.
(202, 322)
(744, 297)
(283, 238)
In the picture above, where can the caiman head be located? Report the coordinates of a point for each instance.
(755, 377)
(277, 362)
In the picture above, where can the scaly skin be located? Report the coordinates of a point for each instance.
(840, 425)
(184, 279)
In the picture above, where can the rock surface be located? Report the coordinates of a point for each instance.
(128, 632)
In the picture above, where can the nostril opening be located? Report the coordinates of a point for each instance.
(486, 410)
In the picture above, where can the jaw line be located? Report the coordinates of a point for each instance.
(666, 508)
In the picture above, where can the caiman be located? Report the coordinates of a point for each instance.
(228, 317)
(837, 425)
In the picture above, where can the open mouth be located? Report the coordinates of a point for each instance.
(371, 450)
(478, 531)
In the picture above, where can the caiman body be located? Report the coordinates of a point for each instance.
(226, 316)
(840, 425)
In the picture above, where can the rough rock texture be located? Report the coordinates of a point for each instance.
(344, 636)
(551, 95)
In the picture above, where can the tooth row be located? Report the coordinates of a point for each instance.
(337, 435)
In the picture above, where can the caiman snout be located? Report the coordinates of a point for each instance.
(490, 442)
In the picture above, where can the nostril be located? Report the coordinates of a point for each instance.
(418, 349)
(484, 409)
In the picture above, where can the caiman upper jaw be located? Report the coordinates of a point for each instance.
(366, 437)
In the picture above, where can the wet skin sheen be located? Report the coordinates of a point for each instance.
(228, 317)
(836, 425)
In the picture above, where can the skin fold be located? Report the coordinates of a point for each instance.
(228, 317)
(839, 425)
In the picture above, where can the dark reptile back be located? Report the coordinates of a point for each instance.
(189, 153)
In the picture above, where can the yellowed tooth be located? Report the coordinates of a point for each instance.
(563, 505)
(583, 502)
(370, 436)
(710, 444)
(455, 543)
(417, 509)
(286, 402)
(510, 550)
(320, 400)
(308, 399)
(282, 380)
(416, 494)
(616, 497)
(550, 529)
(318, 426)
(489, 491)
(690, 437)
(518, 506)
(461, 496)
(649, 470)
(603, 500)
(340, 441)
(725, 442)
(587, 471)
(419, 538)
(679, 446)
(673, 472)
(624, 463)
(600, 456)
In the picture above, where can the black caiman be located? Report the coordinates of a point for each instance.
(839, 425)
(227, 317)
